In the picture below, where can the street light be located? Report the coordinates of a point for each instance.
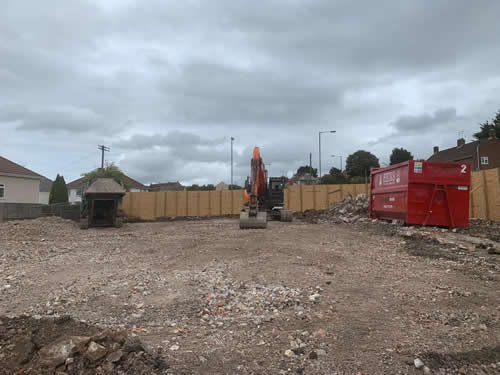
(319, 142)
(231, 186)
(338, 156)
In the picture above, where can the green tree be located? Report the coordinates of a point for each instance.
(59, 191)
(360, 162)
(335, 176)
(109, 171)
(306, 169)
(196, 187)
(485, 127)
(359, 180)
(400, 155)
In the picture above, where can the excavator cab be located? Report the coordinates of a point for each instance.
(276, 199)
(262, 195)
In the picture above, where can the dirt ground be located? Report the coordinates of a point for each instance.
(297, 298)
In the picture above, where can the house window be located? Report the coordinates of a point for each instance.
(484, 160)
(79, 192)
(2, 191)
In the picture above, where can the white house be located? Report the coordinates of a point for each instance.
(18, 184)
(75, 188)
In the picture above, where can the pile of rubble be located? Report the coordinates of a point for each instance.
(349, 210)
(31, 345)
(232, 301)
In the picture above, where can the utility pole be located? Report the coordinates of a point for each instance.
(310, 167)
(231, 186)
(103, 149)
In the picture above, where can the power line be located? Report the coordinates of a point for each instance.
(75, 161)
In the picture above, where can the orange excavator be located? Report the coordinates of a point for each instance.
(262, 196)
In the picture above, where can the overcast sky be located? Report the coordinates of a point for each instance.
(165, 84)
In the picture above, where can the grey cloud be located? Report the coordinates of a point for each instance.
(166, 83)
(175, 139)
(65, 119)
(425, 122)
(219, 94)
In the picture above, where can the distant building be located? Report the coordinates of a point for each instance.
(75, 188)
(221, 186)
(305, 179)
(18, 184)
(167, 186)
(480, 154)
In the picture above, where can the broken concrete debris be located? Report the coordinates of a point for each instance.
(348, 210)
(56, 351)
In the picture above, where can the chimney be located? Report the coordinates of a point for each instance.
(460, 142)
(436, 150)
(493, 134)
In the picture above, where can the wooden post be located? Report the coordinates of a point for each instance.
(485, 195)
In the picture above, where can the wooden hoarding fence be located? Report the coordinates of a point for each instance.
(157, 205)
(484, 199)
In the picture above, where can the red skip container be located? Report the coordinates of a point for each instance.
(422, 192)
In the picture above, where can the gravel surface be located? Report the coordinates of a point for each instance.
(299, 298)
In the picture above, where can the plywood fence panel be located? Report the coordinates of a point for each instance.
(182, 203)
(319, 197)
(227, 202)
(493, 190)
(215, 203)
(307, 192)
(237, 199)
(334, 193)
(477, 206)
(171, 204)
(192, 203)
(204, 203)
(485, 194)
(145, 206)
(160, 205)
(293, 199)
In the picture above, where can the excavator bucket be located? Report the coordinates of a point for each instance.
(286, 215)
(253, 222)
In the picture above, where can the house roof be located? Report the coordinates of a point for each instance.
(135, 184)
(105, 185)
(9, 167)
(45, 184)
(456, 153)
(170, 186)
(78, 183)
